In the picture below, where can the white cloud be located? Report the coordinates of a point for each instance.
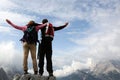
(6, 5)
(9, 56)
(76, 65)
(5, 29)
(102, 41)
(66, 70)
(17, 18)
(54, 8)
(99, 45)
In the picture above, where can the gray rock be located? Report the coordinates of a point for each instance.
(25, 77)
(3, 75)
(16, 77)
(44, 78)
(33, 77)
(52, 78)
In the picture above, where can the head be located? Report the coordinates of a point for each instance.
(30, 23)
(44, 21)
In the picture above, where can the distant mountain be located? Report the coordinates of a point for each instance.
(105, 67)
(105, 70)
(79, 75)
(3, 75)
(13, 71)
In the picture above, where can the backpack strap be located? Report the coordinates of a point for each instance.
(30, 35)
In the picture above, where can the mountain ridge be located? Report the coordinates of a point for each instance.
(104, 70)
(3, 75)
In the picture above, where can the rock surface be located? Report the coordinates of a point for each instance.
(32, 77)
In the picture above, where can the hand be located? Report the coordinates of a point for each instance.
(66, 23)
(8, 21)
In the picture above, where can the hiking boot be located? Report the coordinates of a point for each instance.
(50, 74)
(35, 72)
(40, 74)
(25, 72)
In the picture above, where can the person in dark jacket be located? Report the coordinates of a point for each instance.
(45, 47)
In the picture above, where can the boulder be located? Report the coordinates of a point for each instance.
(16, 77)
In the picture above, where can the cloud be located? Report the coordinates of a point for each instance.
(17, 18)
(54, 8)
(76, 65)
(6, 5)
(60, 9)
(9, 56)
(102, 39)
(5, 29)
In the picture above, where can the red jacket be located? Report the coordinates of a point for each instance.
(48, 31)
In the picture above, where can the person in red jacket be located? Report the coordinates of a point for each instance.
(45, 47)
(29, 44)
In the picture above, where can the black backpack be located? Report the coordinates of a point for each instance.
(30, 35)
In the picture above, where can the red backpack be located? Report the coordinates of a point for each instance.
(49, 32)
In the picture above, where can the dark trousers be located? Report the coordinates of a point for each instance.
(45, 50)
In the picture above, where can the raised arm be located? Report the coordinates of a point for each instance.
(15, 26)
(60, 27)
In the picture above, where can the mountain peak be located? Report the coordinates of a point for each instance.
(1, 69)
(105, 67)
(3, 75)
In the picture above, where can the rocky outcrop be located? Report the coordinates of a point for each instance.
(3, 75)
(32, 77)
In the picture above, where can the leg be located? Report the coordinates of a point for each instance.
(41, 59)
(49, 62)
(49, 57)
(33, 56)
(26, 52)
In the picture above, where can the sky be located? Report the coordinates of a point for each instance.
(93, 33)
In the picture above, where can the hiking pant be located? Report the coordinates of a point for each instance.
(45, 50)
(32, 48)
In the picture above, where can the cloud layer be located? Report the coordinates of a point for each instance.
(9, 55)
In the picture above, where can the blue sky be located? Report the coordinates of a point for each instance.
(93, 33)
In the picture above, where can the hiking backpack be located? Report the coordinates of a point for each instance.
(49, 32)
(30, 35)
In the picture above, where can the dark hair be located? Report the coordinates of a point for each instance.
(44, 21)
(32, 23)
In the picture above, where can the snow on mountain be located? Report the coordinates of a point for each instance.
(105, 67)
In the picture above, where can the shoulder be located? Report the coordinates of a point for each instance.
(24, 28)
(50, 24)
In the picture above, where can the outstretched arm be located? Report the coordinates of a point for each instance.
(15, 26)
(40, 26)
(61, 27)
